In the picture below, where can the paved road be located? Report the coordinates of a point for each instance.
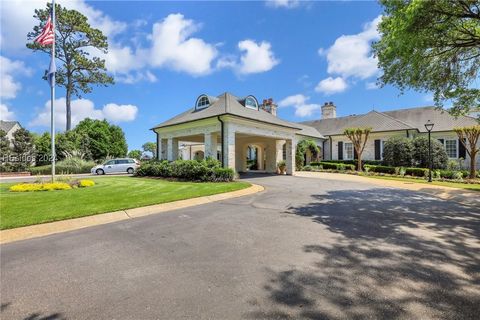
(303, 249)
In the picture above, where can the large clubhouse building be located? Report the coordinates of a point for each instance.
(238, 131)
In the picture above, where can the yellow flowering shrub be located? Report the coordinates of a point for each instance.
(25, 187)
(86, 183)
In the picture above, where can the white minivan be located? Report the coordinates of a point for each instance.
(123, 165)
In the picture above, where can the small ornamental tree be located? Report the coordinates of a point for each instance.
(420, 153)
(398, 152)
(150, 147)
(42, 149)
(302, 148)
(469, 137)
(4, 151)
(135, 154)
(359, 138)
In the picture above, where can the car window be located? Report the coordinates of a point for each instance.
(122, 161)
(131, 161)
(108, 163)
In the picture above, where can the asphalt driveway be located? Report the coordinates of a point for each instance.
(303, 249)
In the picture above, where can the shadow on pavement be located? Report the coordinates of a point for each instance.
(398, 255)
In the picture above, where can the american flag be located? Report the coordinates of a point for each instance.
(48, 34)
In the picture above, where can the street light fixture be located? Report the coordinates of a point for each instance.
(429, 127)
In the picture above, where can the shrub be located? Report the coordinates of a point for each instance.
(26, 187)
(67, 166)
(381, 169)
(307, 168)
(420, 153)
(416, 172)
(84, 183)
(458, 176)
(398, 152)
(450, 174)
(190, 170)
(333, 165)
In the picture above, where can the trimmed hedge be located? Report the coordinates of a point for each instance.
(380, 169)
(190, 170)
(333, 165)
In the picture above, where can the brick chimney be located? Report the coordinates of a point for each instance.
(269, 106)
(329, 110)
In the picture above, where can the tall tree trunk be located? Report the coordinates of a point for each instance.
(69, 109)
(359, 161)
(472, 165)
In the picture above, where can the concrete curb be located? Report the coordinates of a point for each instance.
(44, 229)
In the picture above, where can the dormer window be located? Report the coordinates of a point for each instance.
(251, 102)
(202, 102)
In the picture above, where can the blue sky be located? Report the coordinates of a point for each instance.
(165, 54)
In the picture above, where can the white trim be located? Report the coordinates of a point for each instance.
(345, 151)
(197, 107)
(445, 146)
(250, 107)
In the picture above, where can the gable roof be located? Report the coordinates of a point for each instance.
(228, 104)
(7, 125)
(403, 119)
(442, 120)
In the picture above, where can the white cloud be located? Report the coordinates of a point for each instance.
(172, 46)
(371, 86)
(256, 57)
(298, 99)
(331, 85)
(299, 102)
(5, 113)
(8, 69)
(120, 113)
(283, 3)
(81, 109)
(134, 77)
(350, 55)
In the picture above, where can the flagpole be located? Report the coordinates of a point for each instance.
(52, 94)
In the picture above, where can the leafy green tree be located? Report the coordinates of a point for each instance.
(302, 147)
(135, 154)
(359, 138)
(398, 152)
(432, 46)
(23, 149)
(43, 149)
(100, 139)
(4, 152)
(150, 147)
(75, 38)
(420, 153)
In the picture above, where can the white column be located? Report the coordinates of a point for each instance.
(172, 149)
(210, 140)
(279, 150)
(290, 157)
(229, 146)
(164, 145)
(260, 156)
(271, 154)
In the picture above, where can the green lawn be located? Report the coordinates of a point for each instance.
(109, 194)
(473, 187)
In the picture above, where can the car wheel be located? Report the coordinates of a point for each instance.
(100, 172)
(130, 170)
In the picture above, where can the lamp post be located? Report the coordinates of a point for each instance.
(429, 127)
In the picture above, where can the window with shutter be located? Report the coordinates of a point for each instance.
(378, 154)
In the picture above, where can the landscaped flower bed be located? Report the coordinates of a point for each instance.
(49, 186)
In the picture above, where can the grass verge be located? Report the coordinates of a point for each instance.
(108, 194)
(467, 186)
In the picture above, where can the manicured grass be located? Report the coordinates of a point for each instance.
(471, 186)
(109, 194)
